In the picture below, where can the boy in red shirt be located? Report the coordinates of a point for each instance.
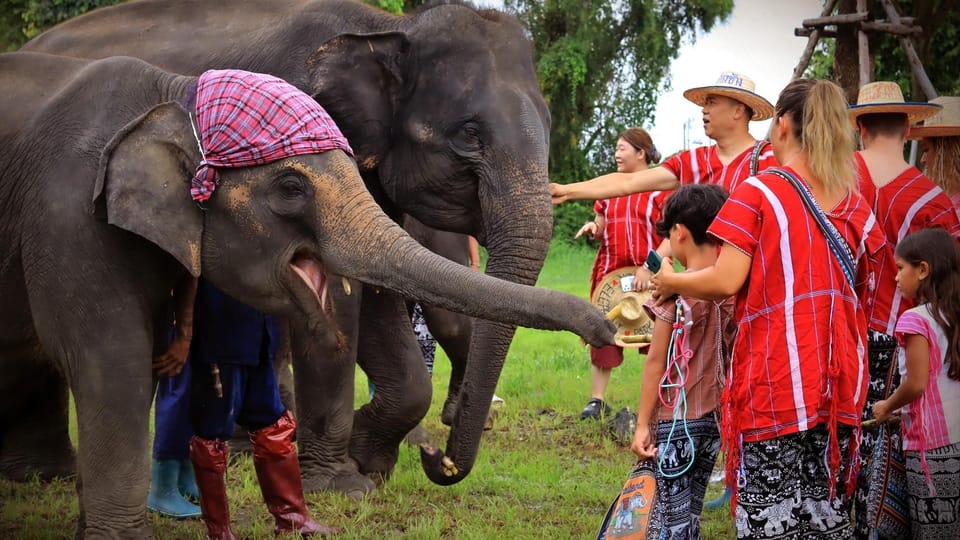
(904, 201)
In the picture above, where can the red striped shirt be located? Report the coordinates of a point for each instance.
(628, 231)
(906, 204)
(702, 166)
(799, 322)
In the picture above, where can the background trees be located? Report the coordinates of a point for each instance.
(938, 48)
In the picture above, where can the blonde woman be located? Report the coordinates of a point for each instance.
(797, 381)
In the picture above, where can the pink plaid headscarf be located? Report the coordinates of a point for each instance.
(249, 119)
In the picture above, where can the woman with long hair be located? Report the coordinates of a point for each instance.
(625, 228)
(797, 249)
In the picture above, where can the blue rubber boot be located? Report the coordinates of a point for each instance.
(719, 501)
(164, 497)
(187, 482)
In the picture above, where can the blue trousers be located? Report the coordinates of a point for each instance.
(251, 398)
(172, 432)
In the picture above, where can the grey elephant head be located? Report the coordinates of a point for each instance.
(463, 150)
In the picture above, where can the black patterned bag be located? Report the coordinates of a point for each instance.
(887, 512)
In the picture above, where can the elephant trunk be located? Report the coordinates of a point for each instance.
(361, 242)
(519, 237)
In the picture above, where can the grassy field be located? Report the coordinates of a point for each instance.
(541, 473)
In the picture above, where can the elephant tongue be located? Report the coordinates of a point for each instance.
(311, 272)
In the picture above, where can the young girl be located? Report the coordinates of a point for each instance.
(929, 394)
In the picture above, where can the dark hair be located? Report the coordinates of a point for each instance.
(818, 113)
(942, 289)
(694, 206)
(639, 139)
(889, 124)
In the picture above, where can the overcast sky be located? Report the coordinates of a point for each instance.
(757, 40)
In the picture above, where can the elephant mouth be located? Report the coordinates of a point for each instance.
(311, 271)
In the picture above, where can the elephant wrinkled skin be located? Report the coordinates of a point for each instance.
(444, 110)
(86, 286)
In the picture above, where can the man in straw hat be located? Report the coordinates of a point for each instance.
(904, 201)
(940, 141)
(728, 106)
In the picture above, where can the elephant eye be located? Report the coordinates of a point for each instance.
(468, 137)
(291, 186)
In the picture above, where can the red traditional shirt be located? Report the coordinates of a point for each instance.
(702, 166)
(799, 359)
(906, 204)
(628, 231)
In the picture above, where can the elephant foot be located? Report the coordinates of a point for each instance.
(44, 466)
(352, 484)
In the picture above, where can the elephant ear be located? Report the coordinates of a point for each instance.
(359, 79)
(143, 183)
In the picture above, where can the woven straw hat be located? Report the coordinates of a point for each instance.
(734, 86)
(886, 97)
(624, 307)
(946, 123)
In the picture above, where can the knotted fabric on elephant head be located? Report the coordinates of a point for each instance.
(249, 119)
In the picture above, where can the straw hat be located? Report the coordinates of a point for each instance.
(885, 97)
(734, 86)
(946, 123)
(624, 307)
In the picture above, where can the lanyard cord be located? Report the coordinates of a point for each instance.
(675, 376)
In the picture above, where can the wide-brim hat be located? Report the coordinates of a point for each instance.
(734, 86)
(614, 296)
(884, 97)
(945, 123)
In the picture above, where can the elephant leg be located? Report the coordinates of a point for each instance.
(324, 367)
(390, 356)
(113, 388)
(452, 332)
(35, 438)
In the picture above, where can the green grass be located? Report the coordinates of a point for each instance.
(541, 473)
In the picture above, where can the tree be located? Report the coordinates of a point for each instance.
(938, 48)
(601, 65)
(21, 20)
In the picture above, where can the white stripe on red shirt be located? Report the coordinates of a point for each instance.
(703, 166)
(628, 231)
(906, 204)
(796, 314)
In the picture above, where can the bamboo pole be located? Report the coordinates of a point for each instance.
(811, 44)
(863, 46)
(912, 57)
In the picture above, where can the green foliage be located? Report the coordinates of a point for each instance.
(393, 6)
(938, 48)
(601, 65)
(21, 20)
(568, 218)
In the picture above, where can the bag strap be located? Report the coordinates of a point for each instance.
(839, 246)
(758, 149)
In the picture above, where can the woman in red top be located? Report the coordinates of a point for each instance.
(797, 382)
(625, 227)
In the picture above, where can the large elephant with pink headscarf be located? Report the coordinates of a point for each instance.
(97, 160)
(445, 113)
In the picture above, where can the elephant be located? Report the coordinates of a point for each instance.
(98, 225)
(444, 111)
(451, 330)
